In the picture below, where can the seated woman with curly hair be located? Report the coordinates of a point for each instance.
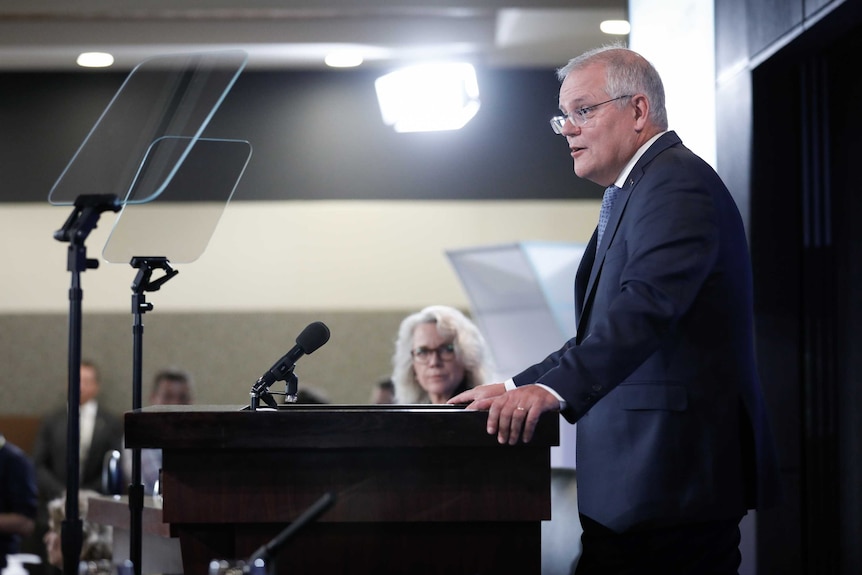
(438, 354)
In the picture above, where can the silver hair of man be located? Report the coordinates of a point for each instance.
(470, 349)
(627, 73)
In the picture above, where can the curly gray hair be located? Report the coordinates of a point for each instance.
(470, 349)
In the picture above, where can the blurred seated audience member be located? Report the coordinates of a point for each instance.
(171, 386)
(101, 432)
(18, 498)
(383, 392)
(97, 539)
(310, 395)
(439, 353)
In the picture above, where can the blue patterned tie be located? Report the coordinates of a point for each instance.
(605, 213)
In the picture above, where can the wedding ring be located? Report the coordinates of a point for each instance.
(519, 408)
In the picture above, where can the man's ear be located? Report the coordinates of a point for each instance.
(640, 105)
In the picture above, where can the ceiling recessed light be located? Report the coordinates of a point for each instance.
(95, 60)
(343, 59)
(615, 27)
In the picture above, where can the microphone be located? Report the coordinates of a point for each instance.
(312, 337)
(268, 551)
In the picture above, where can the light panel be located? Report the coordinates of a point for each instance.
(429, 97)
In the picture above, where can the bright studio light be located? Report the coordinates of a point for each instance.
(428, 97)
(95, 60)
(615, 27)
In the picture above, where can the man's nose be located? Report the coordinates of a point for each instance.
(570, 129)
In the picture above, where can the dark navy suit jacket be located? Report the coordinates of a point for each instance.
(661, 376)
(49, 452)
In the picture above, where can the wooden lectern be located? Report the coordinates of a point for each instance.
(419, 489)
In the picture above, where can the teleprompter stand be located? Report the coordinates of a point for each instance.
(143, 283)
(75, 231)
(212, 168)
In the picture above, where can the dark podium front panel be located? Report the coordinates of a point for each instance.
(419, 489)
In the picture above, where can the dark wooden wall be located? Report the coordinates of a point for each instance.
(787, 144)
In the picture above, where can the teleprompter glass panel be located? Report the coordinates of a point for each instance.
(178, 222)
(167, 96)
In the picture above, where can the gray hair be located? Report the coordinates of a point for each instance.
(470, 349)
(626, 72)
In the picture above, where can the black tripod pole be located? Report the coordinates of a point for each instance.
(72, 531)
(140, 306)
(75, 231)
(136, 488)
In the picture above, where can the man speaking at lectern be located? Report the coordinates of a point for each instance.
(673, 444)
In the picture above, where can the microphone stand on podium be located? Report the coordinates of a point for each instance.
(260, 391)
(308, 341)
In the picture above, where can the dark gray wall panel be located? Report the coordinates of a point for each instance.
(316, 135)
(769, 20)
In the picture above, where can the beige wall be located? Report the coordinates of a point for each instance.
(270, 269)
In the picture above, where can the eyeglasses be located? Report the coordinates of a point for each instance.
(424, 354)
(579, 117)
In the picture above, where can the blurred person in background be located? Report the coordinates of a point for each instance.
(383, 392)
(171, 386)
(101, 433)
(18, 498)
(97, 539)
